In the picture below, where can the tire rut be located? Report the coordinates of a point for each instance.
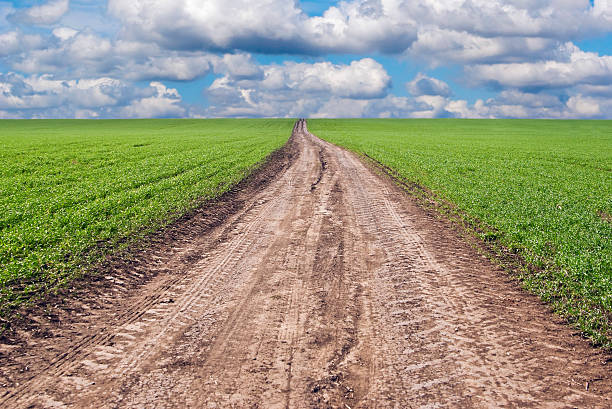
(329, 288)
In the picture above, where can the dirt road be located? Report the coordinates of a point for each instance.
(326, 287)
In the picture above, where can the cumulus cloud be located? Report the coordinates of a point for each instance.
(164, 103)
(9, 115)
(521, 49)
(12, 42)
(341, 108)
(270, 26)
(44, 14)
(64, 33)
(424, 85)
(509, 18)
(45, 96)
(39, 92)
(279, 91)
(363, 79)
(603, 9)
(71, 53)
(294, 89)
(68, 51)
(603, 91)
(440, 46)
(9, 43)
(518, 104)
(508, 104)
(584, 107)
(238, 66)
(574, 68)
(391, 106)
(172, 67)
(440, 30)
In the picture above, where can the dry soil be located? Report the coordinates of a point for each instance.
(318, 283)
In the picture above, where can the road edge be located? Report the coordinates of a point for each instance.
(44, 306)
(484, 239)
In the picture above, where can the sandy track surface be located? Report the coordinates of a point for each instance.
(327, 287)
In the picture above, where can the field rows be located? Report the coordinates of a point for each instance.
(73, 191)
(67, 187)
(542, 189)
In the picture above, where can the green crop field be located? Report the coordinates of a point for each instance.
(542, 189)
(67, 186)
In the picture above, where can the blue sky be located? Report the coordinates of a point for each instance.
(310, 58)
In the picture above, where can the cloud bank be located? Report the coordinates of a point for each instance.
(271, 58)
(44, 14)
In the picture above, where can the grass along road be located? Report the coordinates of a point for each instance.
(72, 191)
(328, 287)
(542, 189)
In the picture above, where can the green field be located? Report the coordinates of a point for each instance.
(542, 189)
(68, 186)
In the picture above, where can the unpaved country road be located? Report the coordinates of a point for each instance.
(326, 288)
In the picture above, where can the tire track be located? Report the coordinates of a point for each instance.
(452, 349)
(80, 349)
(330, 288)
(77, 353)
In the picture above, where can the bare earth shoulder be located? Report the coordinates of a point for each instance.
(319, 284)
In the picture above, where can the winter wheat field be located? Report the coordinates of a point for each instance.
(306, 264)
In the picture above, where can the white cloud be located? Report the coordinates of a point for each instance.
(44, 14)
(459, 30)
(509, 104)
(269, 26)
(507, 18)
(604, 90)
(364, 78)
(341, 108)
(9, 43)
(238, 66)
(440, 46)
(530, 100)
(82, 53)
(64, 33)
(575, 68)
(9, 115)
(362, 25)
(424, 85)
(520, 48)
(584, 107)
(71, 53)
(12, 42)
(104, 97)
(164, 103)
(517, 104)
(603, 8)
(40, 92)
(294, 89)
(434, 107)
(172, 67)
(391, 106)
(46, 97)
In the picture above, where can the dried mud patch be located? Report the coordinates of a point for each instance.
(606, 217)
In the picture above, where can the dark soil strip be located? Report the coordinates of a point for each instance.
(321, 170)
